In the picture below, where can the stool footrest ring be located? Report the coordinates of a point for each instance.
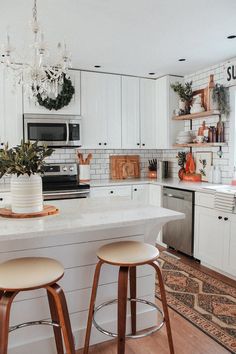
(34, 323)
(135, 336)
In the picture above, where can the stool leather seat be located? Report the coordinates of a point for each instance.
(29, 273)
(127, 253)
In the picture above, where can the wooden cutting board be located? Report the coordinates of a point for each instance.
(124, 166)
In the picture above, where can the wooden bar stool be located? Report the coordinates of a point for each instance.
(127, 255)
(24, 274)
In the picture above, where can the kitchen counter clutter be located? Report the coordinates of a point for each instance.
(73, 237)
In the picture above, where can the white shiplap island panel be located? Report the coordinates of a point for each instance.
(72, 237)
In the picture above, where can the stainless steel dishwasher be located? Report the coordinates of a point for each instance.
(179, 234)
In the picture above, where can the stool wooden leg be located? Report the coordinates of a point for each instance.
(91, 307)
(61, 307)
(5, 307)
(122, 307)
(156, 266)
(133, 291)
(57, 330)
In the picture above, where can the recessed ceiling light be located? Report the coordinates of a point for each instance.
(232, 36)
(97, 66)
(182, 59)
(151, 73)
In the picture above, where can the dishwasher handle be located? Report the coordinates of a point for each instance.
(173, 196)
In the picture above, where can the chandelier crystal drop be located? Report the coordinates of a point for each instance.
(35, 74)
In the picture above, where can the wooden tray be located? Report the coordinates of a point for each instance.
(47, 210)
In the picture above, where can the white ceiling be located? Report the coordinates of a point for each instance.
(130, 36)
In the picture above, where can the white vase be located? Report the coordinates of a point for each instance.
(26, 194)
(182, 105)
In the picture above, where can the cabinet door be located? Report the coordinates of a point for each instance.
(11, 115)
(148, 113)
(210, 234)
(112, 191)
(230, 245)
(101, 110)
(130, 113)
(2, 121)
(166, 103)
(141, 193)
(72, 108)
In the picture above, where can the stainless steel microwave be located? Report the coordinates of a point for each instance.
(53, 130)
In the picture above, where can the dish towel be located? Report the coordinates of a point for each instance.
(225, 200)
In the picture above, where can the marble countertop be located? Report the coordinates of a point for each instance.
(169, 182)
(81, 215)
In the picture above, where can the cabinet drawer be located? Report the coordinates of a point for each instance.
(5, 199)
(117, 191)
(204, 199)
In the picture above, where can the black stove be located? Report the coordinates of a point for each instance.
(60, 181)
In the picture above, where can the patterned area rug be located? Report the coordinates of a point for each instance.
(205, 301)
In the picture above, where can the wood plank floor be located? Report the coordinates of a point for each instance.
(188, 339)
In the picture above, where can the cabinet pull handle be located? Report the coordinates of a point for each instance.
(1, 199)
(135, 189)
(138, 144)
(105, 143)
(99, 143)
(219, 217)
(143, 144)
(111, 192)
(226, 219)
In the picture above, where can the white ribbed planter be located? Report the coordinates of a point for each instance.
(26, 194)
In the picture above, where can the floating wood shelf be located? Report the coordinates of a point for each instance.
(204, 114)
(195, 145)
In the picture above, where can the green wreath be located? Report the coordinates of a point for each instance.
(63, 98)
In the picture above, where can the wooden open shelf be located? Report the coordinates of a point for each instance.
(195, 145)
(204, 114)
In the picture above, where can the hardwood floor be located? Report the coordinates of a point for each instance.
(188, 339)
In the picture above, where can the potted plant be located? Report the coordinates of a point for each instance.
(152, 167)
(25, 164)
(185, 93)
(220, 95)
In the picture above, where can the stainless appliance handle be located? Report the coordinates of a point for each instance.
(173, 196)
(65, 195)
(67, 133)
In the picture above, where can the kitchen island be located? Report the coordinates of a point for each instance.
(72, 237)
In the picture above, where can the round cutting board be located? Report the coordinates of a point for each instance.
(47, 210)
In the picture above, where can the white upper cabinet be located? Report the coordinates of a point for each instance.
(130, 113)
(166, 103)
(72, 108)
(11, 115)
(101, 110)
(138, 113)
(148, 118)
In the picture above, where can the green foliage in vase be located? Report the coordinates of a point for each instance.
(26, 158)
(184, 91)
(220, 95)
(181, 158)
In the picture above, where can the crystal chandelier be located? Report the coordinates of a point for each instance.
(36, 75)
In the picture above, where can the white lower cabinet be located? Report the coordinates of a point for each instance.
(5, 198)
(140, 192)
(116, 191)
(215, 239)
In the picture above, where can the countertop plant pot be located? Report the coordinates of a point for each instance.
(26, 193)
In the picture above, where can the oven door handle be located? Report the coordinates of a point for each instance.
(67, 133)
